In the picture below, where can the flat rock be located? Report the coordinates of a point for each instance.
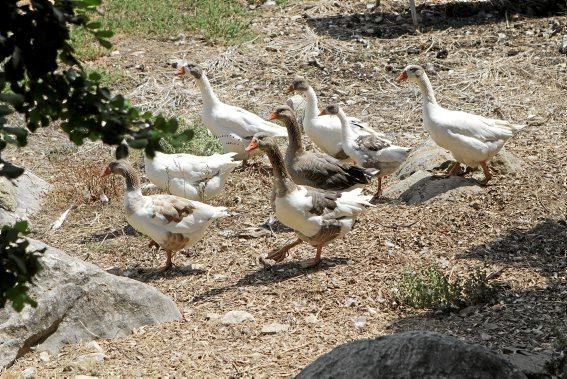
(20, 197)
(236, 317)
(275, 327)
(422, 186)
(427, 156)
(415, 354)
(78, 302)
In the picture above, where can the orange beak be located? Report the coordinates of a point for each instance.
(106, 171)
(252, 145)
(290, 89)
(323, 112)
(273, 116)
(403, 76)
(180, 71)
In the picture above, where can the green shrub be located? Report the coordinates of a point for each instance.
(429, 287)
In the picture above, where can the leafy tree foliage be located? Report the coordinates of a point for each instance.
(41, 78)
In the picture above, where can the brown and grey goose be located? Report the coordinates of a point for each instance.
(317, 216)
(317, 170)
(172, 222)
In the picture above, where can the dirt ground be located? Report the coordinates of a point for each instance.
(499, 64)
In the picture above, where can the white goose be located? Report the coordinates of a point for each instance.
(233, 126)
(317, 216)
(472, 140)
(190, 176)
(172, 222)
(325, 131)
(369, 151)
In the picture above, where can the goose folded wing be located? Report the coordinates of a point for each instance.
(174, 214)
(474, 126)
(246, 124)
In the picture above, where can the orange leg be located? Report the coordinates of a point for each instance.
(169, 257)
(486, 171)
(281, 253)
(314, 261)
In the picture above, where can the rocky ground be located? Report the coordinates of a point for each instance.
(499, 64)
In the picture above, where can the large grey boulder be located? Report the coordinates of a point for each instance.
(77, 301)
(427, 156)
(410, 355)
(418, 184)
(20, 197)
(422, 186)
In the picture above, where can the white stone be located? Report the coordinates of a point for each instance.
(236, 317)
(28, 373)
(274, 328)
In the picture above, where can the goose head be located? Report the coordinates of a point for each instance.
(120, 167)
(261, 141)
(331, 109)
(282, 113)
(298, 84)
(413, 73)
(191, 68)
(123, 168)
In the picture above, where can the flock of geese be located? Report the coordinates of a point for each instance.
(317, 194)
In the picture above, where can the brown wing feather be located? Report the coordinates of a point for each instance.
(372, 142)
(322, 200)
(171, 208)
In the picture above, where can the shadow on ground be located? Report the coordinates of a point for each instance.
(524, 325)
(274, 274)
(393, 24)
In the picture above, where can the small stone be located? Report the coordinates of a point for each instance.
(44, 356)
(350, 102)
(269, 3)
(442, 54)
(359, 321)
(212, 316)
(236, 317)
(311, 319)
(390, 244)
(274, 328)
(86, 361)
(28, 373)
(350, 302)
(563, 45)
(485, 336)
(94, 346)
(501, 37)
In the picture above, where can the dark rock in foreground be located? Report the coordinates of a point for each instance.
(410, 355)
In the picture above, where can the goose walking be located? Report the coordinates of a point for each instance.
(324, 131)
(316, 169)
(317, 216)
(190, 176)
(369, 151)
(472, 140)
(172, 222)
(233, 126)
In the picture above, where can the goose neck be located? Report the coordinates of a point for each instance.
(427, 90)
(132, 181)
(282, 181)
(347, 131)
(209, 96)
(295, 145)
(311, 108)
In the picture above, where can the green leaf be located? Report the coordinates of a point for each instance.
(104, 34)
(95, 76)
(5, 110)
(122, 151)
(104, 43)
(94, 25)
(12, 98)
